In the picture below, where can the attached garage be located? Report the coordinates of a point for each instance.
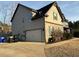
(34, 35)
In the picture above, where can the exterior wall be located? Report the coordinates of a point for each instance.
(22, 21)
(49, 21)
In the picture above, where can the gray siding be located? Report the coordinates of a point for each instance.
(22, 21)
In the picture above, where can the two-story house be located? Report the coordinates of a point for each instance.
(37, 25)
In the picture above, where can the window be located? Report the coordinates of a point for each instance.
(33, 14)
(54, 16)
(51, 29)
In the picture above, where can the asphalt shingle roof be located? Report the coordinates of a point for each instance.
(41, 12)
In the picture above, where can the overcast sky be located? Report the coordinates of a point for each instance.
(69, 8)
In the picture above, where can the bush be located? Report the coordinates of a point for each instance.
(56, 35)
(67, 35)
(20, 37)
(76, 33)
(51, 40)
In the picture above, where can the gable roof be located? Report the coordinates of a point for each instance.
(42, 12)
(33, 10)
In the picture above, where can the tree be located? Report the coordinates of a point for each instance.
(76, 25)
(70, 24)
(7, 11)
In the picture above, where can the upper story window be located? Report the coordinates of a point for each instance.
(54, 15)
(33, 14)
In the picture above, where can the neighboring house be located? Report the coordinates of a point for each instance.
(4, 28)
(1, 27)
(37, 25)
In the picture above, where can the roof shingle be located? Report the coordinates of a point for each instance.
(41, 12)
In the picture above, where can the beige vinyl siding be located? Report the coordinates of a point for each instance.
(50, 21)
(50, 15)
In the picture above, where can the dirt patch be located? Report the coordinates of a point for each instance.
(69, 48)
(21, 49)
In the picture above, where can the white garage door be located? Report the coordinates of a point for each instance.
(34, 35)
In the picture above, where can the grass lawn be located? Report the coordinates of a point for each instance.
(22, 49)
(61, 49)
(69, 48)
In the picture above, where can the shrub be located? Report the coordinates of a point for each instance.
(76, 33)
(20, 37)
(51, 40)
(56, 35)
(67, 35)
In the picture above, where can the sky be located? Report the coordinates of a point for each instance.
(69, 8)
